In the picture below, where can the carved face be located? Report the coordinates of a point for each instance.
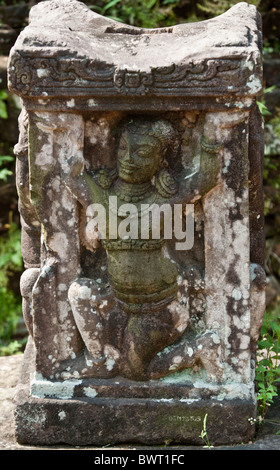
(138, 157)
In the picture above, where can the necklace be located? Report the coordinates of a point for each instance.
(132, 193)
(140, 211)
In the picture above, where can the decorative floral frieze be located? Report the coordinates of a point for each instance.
(39, 76)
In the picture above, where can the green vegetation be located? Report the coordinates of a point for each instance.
(3, 106)
(10, 303)
(204, 434)
(261, 104)
(5, 172)
(10, 260)
(160, 13)
(267, 365)
(142, 13)
(218, 7)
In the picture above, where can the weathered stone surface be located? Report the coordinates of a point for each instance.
(139, 329)
(89, 56)
(121, 416)
(10, 371)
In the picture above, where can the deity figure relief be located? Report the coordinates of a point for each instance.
(128, 324)
(140, 158)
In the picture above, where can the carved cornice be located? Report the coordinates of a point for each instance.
(69, 51)
(63, 76)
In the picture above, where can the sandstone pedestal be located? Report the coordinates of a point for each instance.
(138, 331)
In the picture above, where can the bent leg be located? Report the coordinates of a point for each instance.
(147, 335)
(27, 281)
(92, 311)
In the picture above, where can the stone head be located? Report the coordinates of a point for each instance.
(142, 148)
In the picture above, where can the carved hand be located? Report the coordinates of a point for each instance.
(75, 179)
(74, 166)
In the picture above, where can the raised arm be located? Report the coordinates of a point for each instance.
(205, 177)
(82, 184)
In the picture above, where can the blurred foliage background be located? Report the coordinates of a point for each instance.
(148, 14)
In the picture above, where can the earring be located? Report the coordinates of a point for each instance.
(165, 184)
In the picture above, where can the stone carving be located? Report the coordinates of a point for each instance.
(61, 73)
(133, 317)
(144, 281)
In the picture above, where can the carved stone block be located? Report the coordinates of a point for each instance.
(139, 174)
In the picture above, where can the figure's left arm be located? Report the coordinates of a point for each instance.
(206, 176)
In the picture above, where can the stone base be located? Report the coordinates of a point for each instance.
(150, 414)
